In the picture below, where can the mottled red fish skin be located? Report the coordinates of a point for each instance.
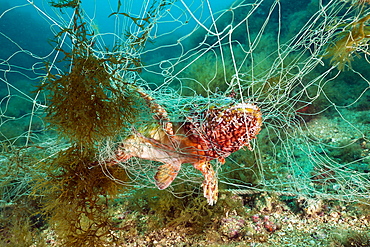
(223, 131)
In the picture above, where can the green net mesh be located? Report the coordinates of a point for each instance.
(306, 68)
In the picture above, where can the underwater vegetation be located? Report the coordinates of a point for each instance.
(77, 198)
(86, 106)
(87, 103)
(65, 191)
(219, 72)
(348, 41)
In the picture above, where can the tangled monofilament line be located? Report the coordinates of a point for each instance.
(247, 53)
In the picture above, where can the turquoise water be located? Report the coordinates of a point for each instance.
(179, 57)
(314, 142)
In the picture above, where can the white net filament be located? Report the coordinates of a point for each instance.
(305, 68)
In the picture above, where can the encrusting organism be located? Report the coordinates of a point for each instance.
(213, 133)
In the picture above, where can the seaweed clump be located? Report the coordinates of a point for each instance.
(78, 199)
(88, 104)
(348, 41)
(191, 212)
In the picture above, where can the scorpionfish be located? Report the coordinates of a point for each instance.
(214, 133)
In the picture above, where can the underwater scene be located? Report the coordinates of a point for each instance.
(184, 123)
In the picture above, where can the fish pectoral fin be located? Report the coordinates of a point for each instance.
(166, 174)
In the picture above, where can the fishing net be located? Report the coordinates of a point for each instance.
(304, 65)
